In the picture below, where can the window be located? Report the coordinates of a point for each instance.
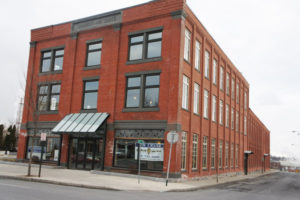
(221, 113)
(197, 55)
(227, 83)
(220, 153)
(237, 93)
(183, 150)
(206, 65)
(187, 45)
(245, 125)
(215, 72)
(185, 92)
(232, 118)
(205, 104)
(245, 100)
(90, 94)
(52, 60)
(142, 91)
(226, 154)
(204, 153)
(213, 153)
(48, 97)
(93, 57)
(227, 116)
(196, 98)
(221, 78)
(237, 122)
(195, 152)
(237, 156)
(214, 109)
(231, 155)
(51, 150)
(125, 155)
(232, 88)
(145, 45)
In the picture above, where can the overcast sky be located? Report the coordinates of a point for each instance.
(261, 37)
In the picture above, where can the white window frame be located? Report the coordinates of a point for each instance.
(185, 92)
(221, 78)
(220, 154)
(237, 128)
(245, 125)
(232, 88)
(187, 45)
(227, 116)
(237, 156)
(231, 155)
(245, 101)
(195, 152)
(206, 64)
(197, 55)
(232, 119)
(227, 84)
(196, 98)
(226, 154)
(214, 108)
(237, 93)
(183, 150)
(221, 112)
(205, 104)
(215, 71)
(204, 152)
(213, 154)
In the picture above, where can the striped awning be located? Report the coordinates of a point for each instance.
(80, 123)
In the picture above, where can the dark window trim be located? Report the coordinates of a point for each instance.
(128, 74)
(144, 44)
(92, 67)
(48, 96)
(142, 87)
(94, 41)
(133, 62)
(36, 136)
(160, 28)
(50, 112)
(52, 59)
(85, 80)
(91, 42)
(91, 78)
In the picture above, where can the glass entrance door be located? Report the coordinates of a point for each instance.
(86, 153)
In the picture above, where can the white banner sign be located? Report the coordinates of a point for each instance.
(150, 151)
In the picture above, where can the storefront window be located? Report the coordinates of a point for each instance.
(124, 156)
(51, 151)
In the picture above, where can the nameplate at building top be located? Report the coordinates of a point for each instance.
(97, 22)
(140, 133)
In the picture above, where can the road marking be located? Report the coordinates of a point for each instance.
(11, 185)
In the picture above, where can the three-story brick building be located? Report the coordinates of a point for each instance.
(99, 84)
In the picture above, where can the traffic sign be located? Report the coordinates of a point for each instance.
(172, 137)
(43, 136)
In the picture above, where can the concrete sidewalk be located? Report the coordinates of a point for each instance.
(109, 181)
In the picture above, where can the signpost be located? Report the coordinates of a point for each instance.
(43, 144)
(172, 138)
(139, 159)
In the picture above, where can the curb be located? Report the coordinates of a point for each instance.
(31, 179)
(191, 189)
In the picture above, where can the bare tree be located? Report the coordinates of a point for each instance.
(34, 104)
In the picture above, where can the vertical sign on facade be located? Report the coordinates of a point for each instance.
(172, 138)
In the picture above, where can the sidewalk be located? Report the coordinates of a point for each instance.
(108, 181)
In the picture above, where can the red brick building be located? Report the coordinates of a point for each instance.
(99, 84)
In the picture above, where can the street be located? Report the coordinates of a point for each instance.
(272, 186)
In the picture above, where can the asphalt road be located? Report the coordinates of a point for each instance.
(283, 186)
